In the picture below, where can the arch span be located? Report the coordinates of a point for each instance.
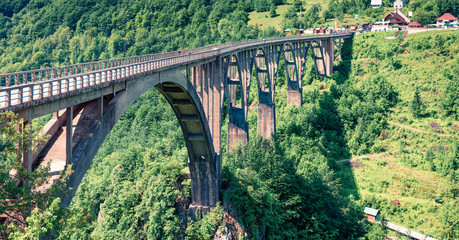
(203, 162)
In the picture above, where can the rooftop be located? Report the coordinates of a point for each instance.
(371, 211)
(446, 16)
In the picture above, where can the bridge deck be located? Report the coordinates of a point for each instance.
(26, 89)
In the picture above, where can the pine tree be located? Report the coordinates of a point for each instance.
(416, 103)
(272, 12)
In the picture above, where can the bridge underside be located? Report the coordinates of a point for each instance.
(102, 113)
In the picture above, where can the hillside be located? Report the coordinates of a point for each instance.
(419, 139)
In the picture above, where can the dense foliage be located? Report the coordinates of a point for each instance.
(27, 210)
(62, 32)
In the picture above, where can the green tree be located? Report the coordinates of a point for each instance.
(298, 4)
(19, 197)
(272, 12)
(416, 104)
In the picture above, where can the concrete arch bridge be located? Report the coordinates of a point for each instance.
(87, 99)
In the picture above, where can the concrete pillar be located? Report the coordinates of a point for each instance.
(204, 182)
(293, 67)
(266, 124)
(69, 135)
(27, 156)
(238, 127)
(329, 56)
(100, 107)
(266, 67)
(318, 51)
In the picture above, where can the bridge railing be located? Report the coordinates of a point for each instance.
(18, 78)
(46, 84)
(73, 84)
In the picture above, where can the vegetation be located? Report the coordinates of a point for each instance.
(31, 211)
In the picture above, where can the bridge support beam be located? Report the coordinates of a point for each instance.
(69, 135)
(329, 54)
(266, 66)
(27, 156)
(239, 71)
(295, 58)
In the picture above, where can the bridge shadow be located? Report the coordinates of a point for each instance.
(344, 168)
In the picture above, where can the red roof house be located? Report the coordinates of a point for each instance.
(395, 18)
(415, 25)
(446, 19)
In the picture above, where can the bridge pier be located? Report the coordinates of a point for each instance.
(329, 54)
(239, 71)
(266, 66)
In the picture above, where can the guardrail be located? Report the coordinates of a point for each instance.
(29, 86)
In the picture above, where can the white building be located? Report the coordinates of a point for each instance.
(376, 3)
(399, 4)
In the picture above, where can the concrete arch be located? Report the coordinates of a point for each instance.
(261, 69)
(181, 95)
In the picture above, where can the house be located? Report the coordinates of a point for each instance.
(353, 28)
(376, 3)
(379, 26)
(396, 18)
(372, 214)
(399, 4)
(300, 31)
(287, 31)
(447, 19)
(328, 30)
(415, 25)
(319, 31)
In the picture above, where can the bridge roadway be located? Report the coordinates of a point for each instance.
(194, 82)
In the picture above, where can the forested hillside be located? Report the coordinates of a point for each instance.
(290, 187)
(36, 33)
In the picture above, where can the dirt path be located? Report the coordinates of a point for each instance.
(417, 130)
(371, 155)
(366, 156)
(407, 232)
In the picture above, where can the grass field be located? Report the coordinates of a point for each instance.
(402, 183)
(263, 20)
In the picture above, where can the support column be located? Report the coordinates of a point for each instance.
(266, 124)
(329, 54)
(27, 156)
(318, 49)
(292, 67)
(267, 62)
(100, 107)
(238, 127)
(69, 135)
